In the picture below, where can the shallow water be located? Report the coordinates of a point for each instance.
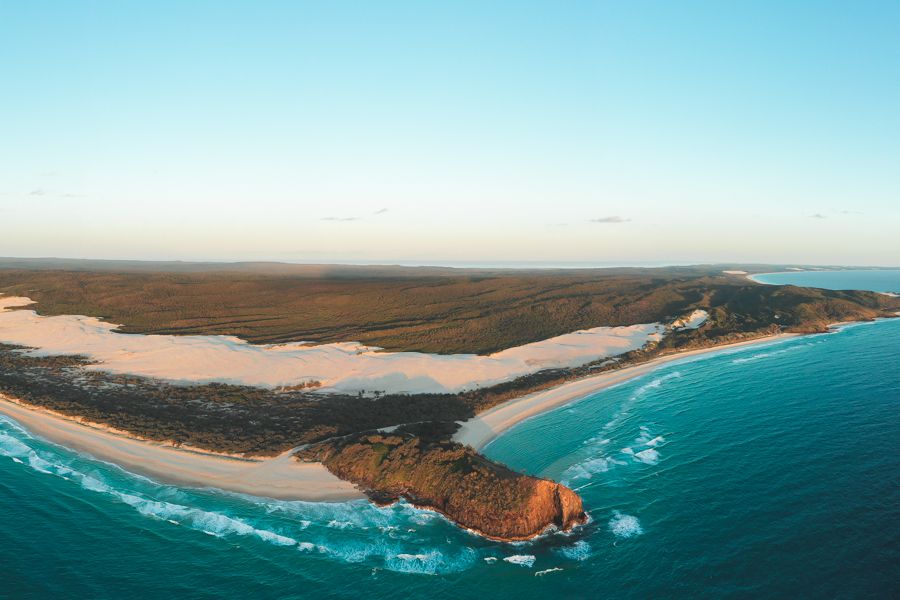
(766, 471)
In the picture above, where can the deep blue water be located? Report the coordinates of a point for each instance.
(769, 471)
(876, 281)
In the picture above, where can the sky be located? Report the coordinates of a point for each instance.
(451, 133)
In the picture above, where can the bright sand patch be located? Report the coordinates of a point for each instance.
(691, 321)
(281, 477)
(482, 429)
(344, 367)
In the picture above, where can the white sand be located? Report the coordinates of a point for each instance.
(735, 272)
(691, 321)
(346, 367)
(480, 430)
(281, 477)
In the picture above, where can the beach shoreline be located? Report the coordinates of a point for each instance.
(281, 477)
(482, 429)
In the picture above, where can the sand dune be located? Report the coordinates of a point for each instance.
(346, 367)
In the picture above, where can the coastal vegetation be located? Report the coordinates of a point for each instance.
(418, 463)
(437, 311)
(391, 445)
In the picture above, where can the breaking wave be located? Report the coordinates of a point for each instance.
(625, 526)
(763, 355)
(657, 382)
(588, 468)
(399, 538)
(523, 560)
(644, 450)
(579, 551)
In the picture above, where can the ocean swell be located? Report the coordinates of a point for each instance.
(399, 538)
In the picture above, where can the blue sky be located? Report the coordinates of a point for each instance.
(608, 132)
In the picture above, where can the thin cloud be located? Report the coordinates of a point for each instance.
(340, 219)
(818, 216)
(37, 192)
(610, 219)
(380, 211)
(851, 212)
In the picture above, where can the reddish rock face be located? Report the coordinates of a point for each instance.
(551, 504)
(477, 494)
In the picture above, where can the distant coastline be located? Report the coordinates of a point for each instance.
(879, 280)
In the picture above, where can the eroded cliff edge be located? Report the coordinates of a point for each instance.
(427, 470)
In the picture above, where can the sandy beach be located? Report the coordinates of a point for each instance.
(280, 477)
(479, 431)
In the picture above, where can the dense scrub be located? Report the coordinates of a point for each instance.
(428, 310)
(218, 417)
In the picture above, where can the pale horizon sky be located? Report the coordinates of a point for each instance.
(470, 132)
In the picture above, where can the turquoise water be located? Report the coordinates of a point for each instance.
(769, 471)
(876, 281)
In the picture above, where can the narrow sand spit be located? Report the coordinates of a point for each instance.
(280, 477)
(342, 367)
(482, 429)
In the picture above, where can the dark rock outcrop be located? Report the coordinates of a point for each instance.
(469, 489)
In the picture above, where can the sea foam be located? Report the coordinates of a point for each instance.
(625, 526)
(579, 551)
(523, 560)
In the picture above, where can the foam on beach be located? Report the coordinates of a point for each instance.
(345, 367)
(209, 522)
(303, 526)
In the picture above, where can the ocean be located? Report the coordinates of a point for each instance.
(762, 472)
(886, 280)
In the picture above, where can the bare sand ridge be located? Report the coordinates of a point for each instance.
(281, 477)
(345, 367)
(480, 430)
